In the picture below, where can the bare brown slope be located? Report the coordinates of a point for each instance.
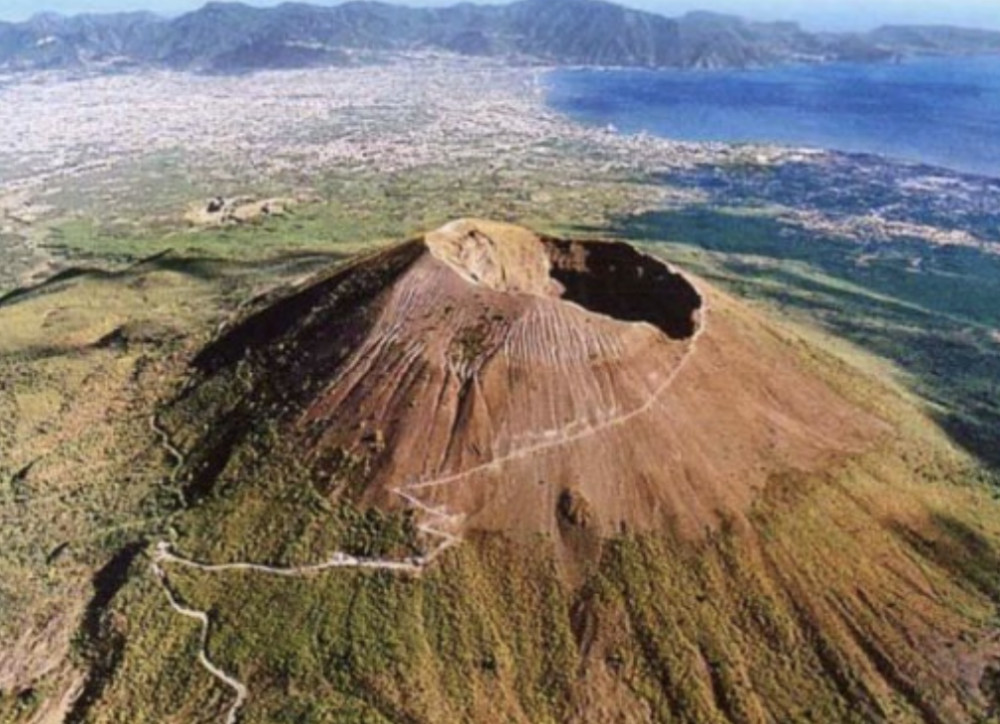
(519, 383)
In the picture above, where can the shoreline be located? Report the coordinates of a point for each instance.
(630, 122)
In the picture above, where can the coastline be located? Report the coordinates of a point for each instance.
(621, 99)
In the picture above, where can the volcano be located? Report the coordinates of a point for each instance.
(524, 384)
(491, 475)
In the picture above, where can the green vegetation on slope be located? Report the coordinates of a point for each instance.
(738, 628)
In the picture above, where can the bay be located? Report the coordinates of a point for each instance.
(942, 111)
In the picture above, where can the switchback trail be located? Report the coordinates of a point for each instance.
(438, 523)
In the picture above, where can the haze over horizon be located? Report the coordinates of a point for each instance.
(834, 15)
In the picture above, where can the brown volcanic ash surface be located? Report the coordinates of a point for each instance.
(526, 384)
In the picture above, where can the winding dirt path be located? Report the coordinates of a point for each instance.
(438, 522)
(164, 554)
(202, 617)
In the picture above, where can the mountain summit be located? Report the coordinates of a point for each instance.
(524, 383)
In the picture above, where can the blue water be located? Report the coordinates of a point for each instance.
(940, 111)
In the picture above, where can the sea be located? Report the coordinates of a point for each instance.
(942, 111)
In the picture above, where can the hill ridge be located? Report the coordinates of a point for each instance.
(234, 37)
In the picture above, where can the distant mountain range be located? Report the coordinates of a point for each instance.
(224, 37)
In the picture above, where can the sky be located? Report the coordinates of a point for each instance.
(813, 14)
